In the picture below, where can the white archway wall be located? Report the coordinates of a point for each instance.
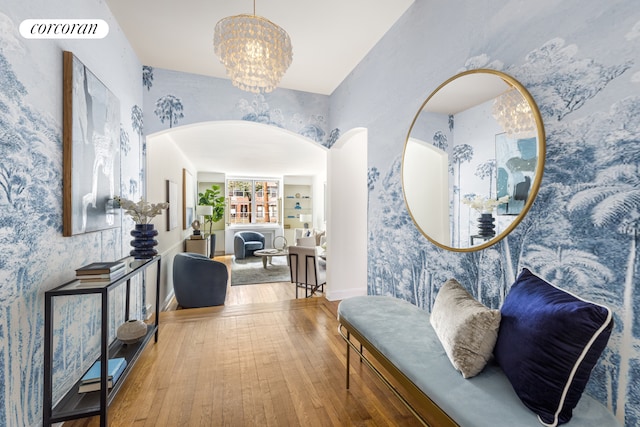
(165, 161)
(347, 216)
(169, 151)
(248, 149)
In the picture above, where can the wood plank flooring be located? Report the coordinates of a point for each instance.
(263, 359)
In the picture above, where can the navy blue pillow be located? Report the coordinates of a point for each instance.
(548, 342)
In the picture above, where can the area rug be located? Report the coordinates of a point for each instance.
(249, 271)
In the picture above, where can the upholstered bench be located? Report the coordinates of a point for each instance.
(401, 340)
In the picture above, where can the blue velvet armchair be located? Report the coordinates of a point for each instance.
(245, 243)
(199, 281)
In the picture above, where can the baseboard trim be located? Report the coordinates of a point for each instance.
(347, 293)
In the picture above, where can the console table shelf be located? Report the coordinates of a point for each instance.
(80, 405)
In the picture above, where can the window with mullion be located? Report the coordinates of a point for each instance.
(253, 201)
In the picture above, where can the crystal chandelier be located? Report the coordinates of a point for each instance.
(513, 113)
(255, 52)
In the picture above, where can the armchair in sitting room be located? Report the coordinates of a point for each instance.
(245, 243)
(309, 237)
(305, 270)
(199, 281)
(309, 242)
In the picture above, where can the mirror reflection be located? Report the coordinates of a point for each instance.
(473, 160)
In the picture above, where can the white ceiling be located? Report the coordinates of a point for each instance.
(329, 37)
(465, 92)
(246, 149)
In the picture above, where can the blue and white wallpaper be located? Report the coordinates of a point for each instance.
(174, 98)
(35, 257)
(581, 62)
(580, 59)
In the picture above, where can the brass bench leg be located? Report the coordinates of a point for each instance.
(348, 360)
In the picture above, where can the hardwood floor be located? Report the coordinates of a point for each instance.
(250, 294)
(263, 359)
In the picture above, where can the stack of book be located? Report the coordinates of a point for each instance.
(101, 272)
(91, 380)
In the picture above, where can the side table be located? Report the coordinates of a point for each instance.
(199, 246)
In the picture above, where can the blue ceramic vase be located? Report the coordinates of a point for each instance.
(144, 241)
(486, 226)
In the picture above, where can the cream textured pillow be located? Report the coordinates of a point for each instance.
(466, 328)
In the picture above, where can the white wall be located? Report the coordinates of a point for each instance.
(347, 216)
(165, 161)
(426, 172)
(204, 181)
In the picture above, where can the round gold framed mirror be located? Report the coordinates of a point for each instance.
(473, 160)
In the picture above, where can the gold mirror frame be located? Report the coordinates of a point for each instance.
(539, 167)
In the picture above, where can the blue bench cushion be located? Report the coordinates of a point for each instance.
(403, 334)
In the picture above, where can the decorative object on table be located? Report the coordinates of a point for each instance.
(255, 52)
(100, 268)
(143, 213)
(172, 199)
(196, 229)
(91, 159)
(212, 197)
(280, 243)
(91, 379)
(297, 206)
(485, 206)
(486, 225)
(144, 241)
(131, 331)
(89, 280)
(98, 273)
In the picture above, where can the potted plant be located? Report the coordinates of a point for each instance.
(212, 197)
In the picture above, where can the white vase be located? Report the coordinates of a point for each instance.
(131, 331)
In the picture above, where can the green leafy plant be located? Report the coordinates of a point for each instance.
(212, 197)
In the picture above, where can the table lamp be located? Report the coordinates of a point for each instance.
(202, 211)
(306, 219)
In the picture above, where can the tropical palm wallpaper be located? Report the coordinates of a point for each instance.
(581, 63)
(174, 98)
(35, 256)
(579, 59)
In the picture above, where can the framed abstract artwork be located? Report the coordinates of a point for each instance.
(172, 210)
(188, 199)
(516, 161)
(91, 151)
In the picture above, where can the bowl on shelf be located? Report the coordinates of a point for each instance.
(131, 331)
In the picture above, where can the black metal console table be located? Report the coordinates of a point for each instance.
(80, 405)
